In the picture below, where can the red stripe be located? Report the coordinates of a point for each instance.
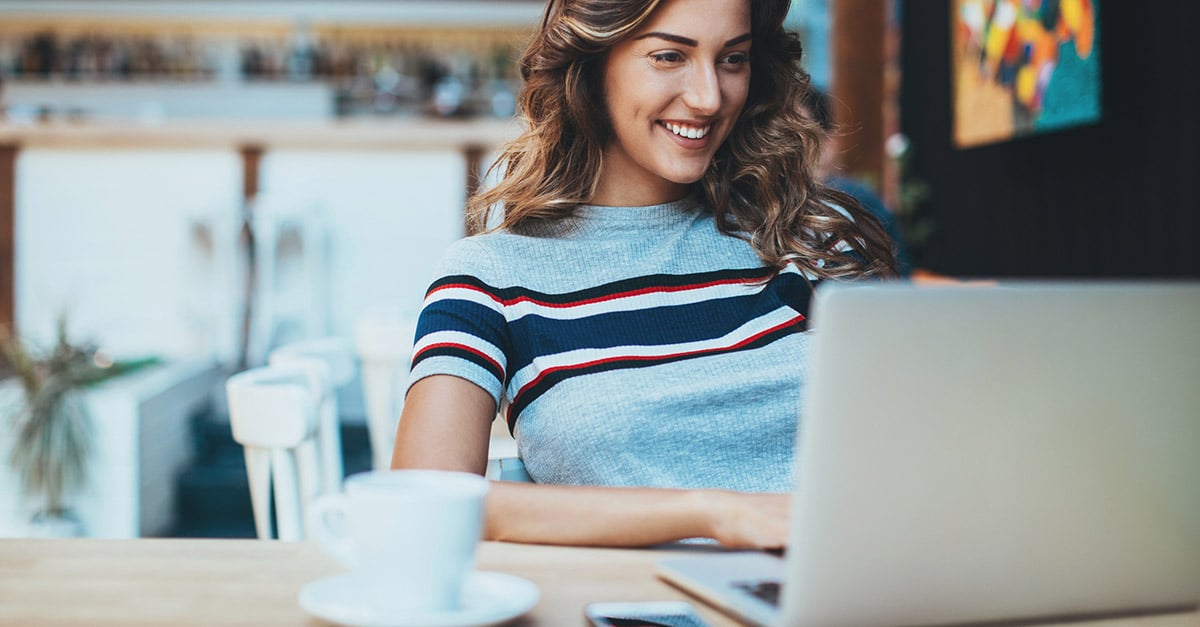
(799, 318)
(598, 299)
(463, 286)
(469, 349)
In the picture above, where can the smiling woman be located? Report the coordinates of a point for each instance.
(640, 310)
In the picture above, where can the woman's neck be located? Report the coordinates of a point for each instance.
(626, 191)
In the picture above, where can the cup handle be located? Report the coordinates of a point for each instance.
(335, 542)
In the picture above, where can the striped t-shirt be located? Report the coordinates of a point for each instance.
(629, 346)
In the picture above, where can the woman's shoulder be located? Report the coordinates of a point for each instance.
(491, 256)
(473, 256)
(500, 243)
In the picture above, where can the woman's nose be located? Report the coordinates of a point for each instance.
(702, 93)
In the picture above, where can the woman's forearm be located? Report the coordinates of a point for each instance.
(600, 516)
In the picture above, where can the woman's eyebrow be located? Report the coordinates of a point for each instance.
(686, 41)
(737, 40)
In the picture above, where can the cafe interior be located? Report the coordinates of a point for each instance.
(206, 206)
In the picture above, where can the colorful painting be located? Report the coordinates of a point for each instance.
(1023, 67)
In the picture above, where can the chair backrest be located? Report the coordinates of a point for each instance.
(384, 345)
(273, 414)
(508, 469)
(336, 352)
(291, 286)
(337, 359)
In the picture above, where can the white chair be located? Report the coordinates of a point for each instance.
(507, 469)
(291, 283)
(384, 344)
(273, 414)
(250, 308)
(218, 264)
(338, 359)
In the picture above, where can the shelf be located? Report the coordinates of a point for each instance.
(369, 134)
(411, 13)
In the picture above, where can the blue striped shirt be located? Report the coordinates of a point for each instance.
(628, 346)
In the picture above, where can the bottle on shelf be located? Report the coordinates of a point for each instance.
(453, 74)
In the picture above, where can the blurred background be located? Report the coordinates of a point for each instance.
(188, 186)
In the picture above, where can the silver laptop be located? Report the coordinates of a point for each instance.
(986, 454)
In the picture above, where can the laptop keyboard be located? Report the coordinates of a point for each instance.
(767, 590)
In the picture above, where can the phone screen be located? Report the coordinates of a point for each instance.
(644, 615)
(669, 620)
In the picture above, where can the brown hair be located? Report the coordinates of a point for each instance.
(760, 183)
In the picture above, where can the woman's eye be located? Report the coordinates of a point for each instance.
(667, 57)
(737, 58)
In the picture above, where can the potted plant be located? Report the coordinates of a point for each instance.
(52, 432)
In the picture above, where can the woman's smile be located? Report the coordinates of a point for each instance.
(687, 130)
(688, 135)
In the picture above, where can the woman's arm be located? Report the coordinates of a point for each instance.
(446, 425)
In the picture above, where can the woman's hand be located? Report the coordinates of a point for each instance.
(741, 520)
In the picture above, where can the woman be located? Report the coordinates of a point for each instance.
(639, 310)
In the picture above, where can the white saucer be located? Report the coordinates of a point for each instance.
(488, 599)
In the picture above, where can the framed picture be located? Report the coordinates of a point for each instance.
(1023, 67)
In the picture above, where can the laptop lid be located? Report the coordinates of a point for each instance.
(972, 454)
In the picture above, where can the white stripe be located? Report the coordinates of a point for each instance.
(649, 300)
(463, 293)
(547, 362)
(465, 339)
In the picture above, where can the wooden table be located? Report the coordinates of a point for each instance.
(251, 582)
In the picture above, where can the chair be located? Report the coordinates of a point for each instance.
(291, 267)
(220, 270)
(273, 414)
(384, 344)
(256, 302)
(507, 469)
(339, 369)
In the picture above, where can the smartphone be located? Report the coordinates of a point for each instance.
(644, 614)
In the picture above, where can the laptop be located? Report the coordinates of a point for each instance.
(1002, 454)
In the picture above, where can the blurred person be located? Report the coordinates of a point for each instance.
(818, 108)
(638, 313)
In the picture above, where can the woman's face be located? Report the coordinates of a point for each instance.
(673, 90)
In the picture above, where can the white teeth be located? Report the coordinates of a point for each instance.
(687, 131)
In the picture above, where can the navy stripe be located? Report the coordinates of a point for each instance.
(667, 325)
(607, 289)
(525, 398)
(460, 353)
(467, 317)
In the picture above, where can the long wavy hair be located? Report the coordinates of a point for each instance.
(760, 184)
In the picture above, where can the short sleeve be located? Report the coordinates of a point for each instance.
(462, 330)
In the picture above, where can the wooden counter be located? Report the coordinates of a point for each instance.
(252, 582)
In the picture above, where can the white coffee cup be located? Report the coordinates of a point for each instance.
(409, 535)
